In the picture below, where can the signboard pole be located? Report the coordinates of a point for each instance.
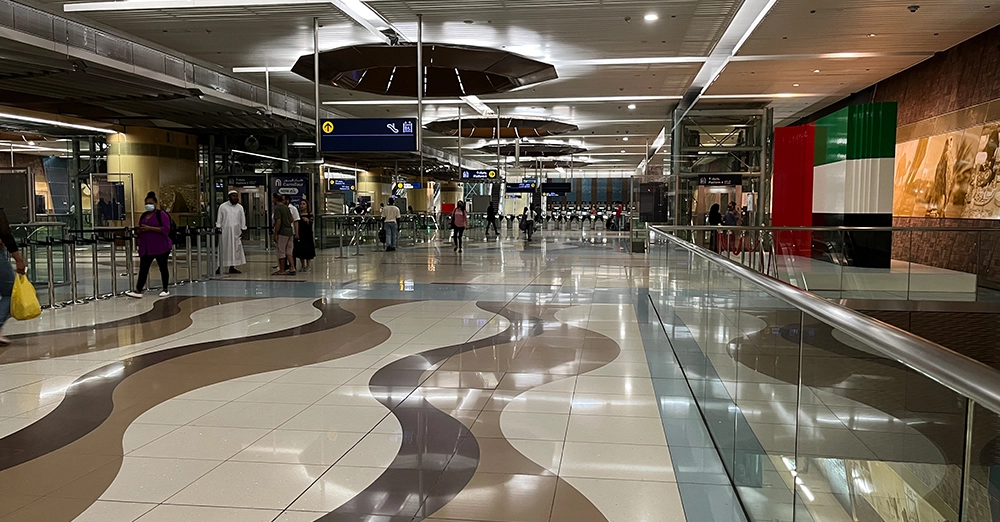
(460, 140)
(319, 136)
(420, 95)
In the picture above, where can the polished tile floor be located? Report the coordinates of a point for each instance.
(514, 382)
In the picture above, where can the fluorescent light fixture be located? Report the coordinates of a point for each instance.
(352, 169)
(21, 147)
(260, 155)
(653, 60)
(509, 101)
(303, 144)
(479, 106)
(369, 19)
(145, 5)
(651, 17)
(310, 162)
(631, 106)
(54, 123)
(239, 70)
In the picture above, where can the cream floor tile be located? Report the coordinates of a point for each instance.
(616, 430)
(105, 511)
(249, 484)
(337, 486)
(615, 405)
(534, 426)
(622, 369)
(223, 391)
(350, 396)
(545, 453)
(138, 435)
(299, 447)
(168, 513)
(201, 442)
(376, 450)
(615, 385)
(326, 376)
(178, 412)
(144, 479)
(633, 501)
(352, 419)
(14, 403)
(617, 461)
(250, 415)
(539, 402)
(288, 393)
(300, 516)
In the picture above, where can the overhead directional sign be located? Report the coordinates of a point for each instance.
(526, 187)
(341, 184)
(557, 188)
(369, 135)
(720, 180)
(480, 175)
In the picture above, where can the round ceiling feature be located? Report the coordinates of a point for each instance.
(451, 70)
(534, 150)
(510, 127)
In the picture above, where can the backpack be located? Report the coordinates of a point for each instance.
(173, 226)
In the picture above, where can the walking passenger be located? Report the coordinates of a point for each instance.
(305, 245)
(391, 215)
(491, 219)
(284, 236)
(459, 219)
(232, 221)
(9, 246)
(529, 223)
(154, 244)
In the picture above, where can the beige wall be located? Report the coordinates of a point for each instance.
(162, 161)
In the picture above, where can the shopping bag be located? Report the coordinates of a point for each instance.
(24, 303)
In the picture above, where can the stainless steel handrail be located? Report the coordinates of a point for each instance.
(709, 228)
(962, 374)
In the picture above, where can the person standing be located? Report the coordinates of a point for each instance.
(284, 236)
(9, 246)
(296, 218)
(391, 215)
(491, 219)
(154, 244)
(232, 221)
(732, 218)
(305, 245)
(529, 223)
(459, 220)
(618, 216)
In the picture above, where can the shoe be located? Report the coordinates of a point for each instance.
(164, 294)
(137, 295)
(459, 250)
(279, 273)
(4, 341)
(233, 270)
(291, 273)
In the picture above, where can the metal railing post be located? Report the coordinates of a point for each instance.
(129, 261)
(198, 246)
(173, 263)
(187, 248)
(74, 291)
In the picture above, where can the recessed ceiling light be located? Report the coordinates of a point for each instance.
(631, 106)
(871, 35)
(623, 151)
(795, 85)
(651, 17)
(816, 70)
(625, 138)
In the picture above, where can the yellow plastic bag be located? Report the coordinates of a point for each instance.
(24, 303)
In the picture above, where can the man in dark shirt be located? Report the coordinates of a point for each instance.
(6, 273)
(284, 236)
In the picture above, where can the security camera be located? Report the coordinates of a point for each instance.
(913, 8)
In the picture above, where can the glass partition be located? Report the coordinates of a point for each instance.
(811, 423)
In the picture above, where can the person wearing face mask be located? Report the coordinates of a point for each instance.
(232, 221)
(154, 244)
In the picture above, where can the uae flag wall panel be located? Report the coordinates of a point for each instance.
(853, 178)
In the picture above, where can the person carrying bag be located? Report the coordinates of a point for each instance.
(8, 278)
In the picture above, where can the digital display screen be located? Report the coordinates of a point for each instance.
(369, 135)
(526, 187)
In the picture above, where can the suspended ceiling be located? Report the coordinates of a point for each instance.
(607, 56)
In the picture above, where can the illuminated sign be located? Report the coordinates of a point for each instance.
(526, 187)
(369, 135)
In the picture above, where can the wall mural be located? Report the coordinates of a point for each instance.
(952, 175)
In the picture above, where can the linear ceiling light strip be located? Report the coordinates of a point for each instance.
(55, 123)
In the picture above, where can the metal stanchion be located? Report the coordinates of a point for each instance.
(341, 241)
(198, 246)
(114, 267)
(129, 261)
(96, 274)
(173, 262)
(74, 291)
(50, 269)
(187, 248)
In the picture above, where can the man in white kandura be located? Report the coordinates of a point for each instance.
(233, 221)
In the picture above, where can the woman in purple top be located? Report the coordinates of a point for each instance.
(459, 219)
(154, 243)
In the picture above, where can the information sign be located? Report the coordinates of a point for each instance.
(525, 187)
(369, 135)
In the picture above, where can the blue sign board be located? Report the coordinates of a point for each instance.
(295, 187)
(557, 188)
(341, 184)
(480, 175)
(526, 187)
(369, 135)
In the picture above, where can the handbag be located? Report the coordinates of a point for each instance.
(24, 303)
